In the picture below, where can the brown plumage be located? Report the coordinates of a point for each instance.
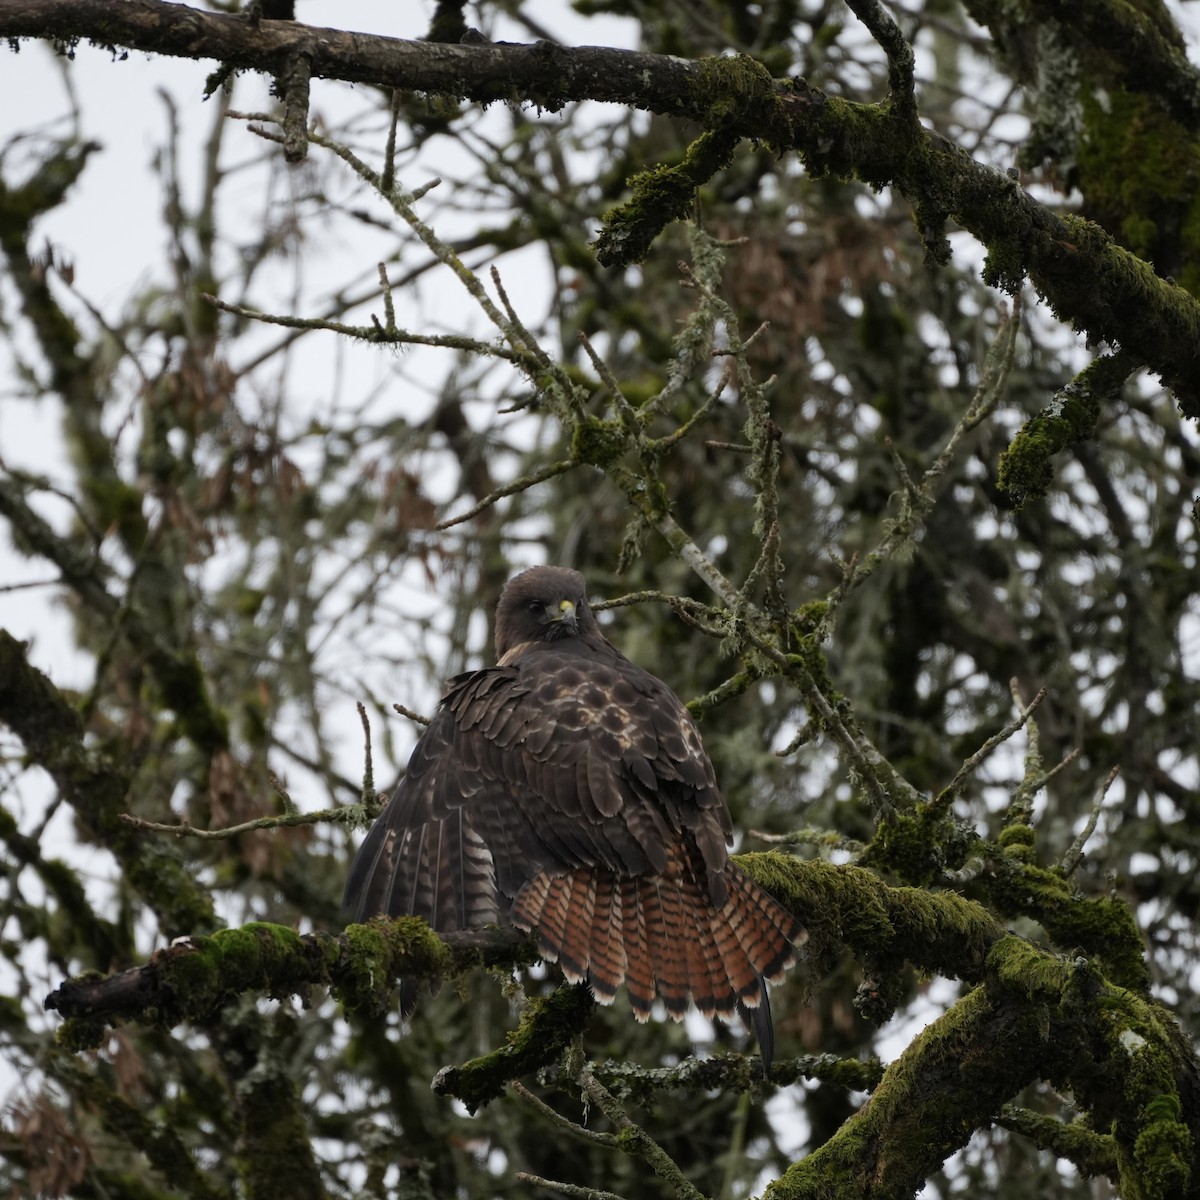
(566, 789)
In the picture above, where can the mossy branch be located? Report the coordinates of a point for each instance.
(1093, 1153)
(1035, 1018)
(1026, 468)
(1086, 278)
(192, 979)
(842, 907)
(547, 1029)
(661, 195)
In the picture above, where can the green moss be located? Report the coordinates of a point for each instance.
(1018, 840)
(1015, 965)
(661, 195)
(1139, 171)
(598, 442)
(364, 976)
(1162, 1153)
(547, 1028)
(851, 906)
(79, 1033)
(810, 618)
(725, 87)
(1162, 1145)
(1026, 469)
(908, 846)
(1105, 926)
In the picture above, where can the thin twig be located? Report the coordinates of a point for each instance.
(633, 1139)
(509, 489)
(412, 715)
(375, 333)
(551, 1114)
(346, 813)
(566, 1189)
(625, 410)
(915, 500)
(826, 839)
(801, 737)
(1074, 854)
(1043, 779)
(947, 795)
(368, 781)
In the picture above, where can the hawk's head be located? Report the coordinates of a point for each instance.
(542, 604)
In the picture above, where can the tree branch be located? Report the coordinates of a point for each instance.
(192, 979)
(1087, 279)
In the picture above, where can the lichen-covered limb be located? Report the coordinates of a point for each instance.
(1123, 1058)
(1093, 1153)
(1026, 467)
(1036, 1017)
(661, 195)
(841, 907)
(547, 1029)
(731, 1073)
(1086, 278)
(636, 1142)
(193, 979)
(924, 845)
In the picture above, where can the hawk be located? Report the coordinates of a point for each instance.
(566, 790)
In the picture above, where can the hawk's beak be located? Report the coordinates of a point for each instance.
(567, 615)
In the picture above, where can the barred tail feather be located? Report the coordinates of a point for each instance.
(606, 940)
(768, 933)
(661, 937)
(639, 977)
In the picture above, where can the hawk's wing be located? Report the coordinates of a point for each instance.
(561, 759)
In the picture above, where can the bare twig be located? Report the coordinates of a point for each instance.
(577, 1131)
(375, 333)
(946, 796)
(826, 839)
(1074, 854)
(509, 489)
(346, 813)
(411, 714)
(566, 1189)
(625, 410)
(368, 781)
(635, 1140)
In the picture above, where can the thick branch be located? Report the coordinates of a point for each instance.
(1036, 1018)
(194, 978)
(1087, 279)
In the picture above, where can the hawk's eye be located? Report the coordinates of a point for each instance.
(537, 607)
